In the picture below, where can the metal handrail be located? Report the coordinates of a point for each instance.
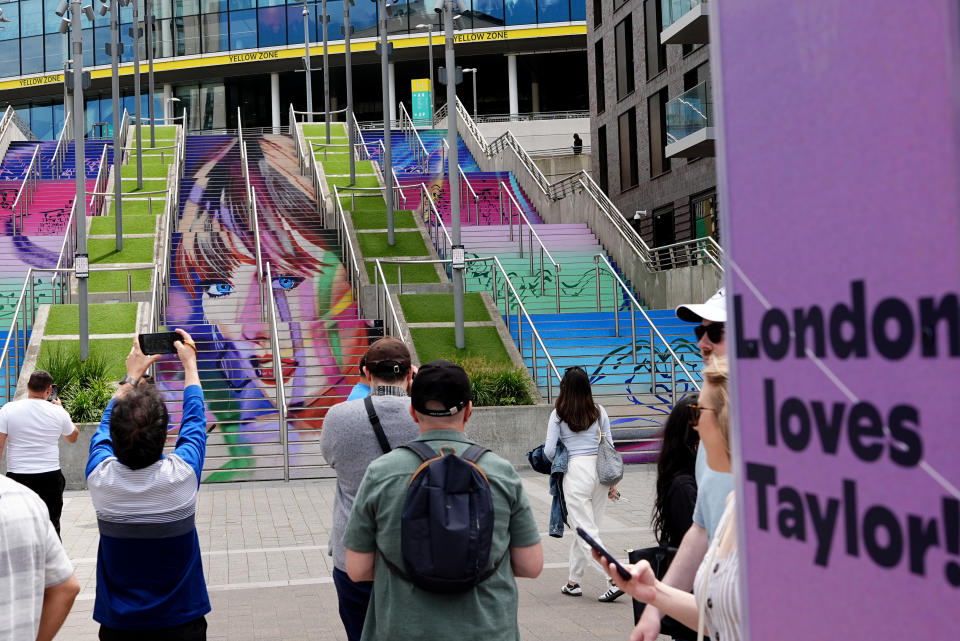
(381, 278)
(533, 115)
(21, 204)
(69, 238)
(359, 135)
(531, 235)
(255, 224)
(434, 234)
(317, 113)
(281, 394)
(100, 185)
(476, 199)
(60, 153)
(407, 124)
(122, 134)
(705, 248)
(343, 237)
(601, 258)
(509, 140)
(15, 331)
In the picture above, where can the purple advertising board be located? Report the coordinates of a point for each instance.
(839, 169)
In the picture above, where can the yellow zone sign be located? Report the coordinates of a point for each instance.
(215, 60)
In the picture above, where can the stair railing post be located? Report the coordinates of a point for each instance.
(673, 382)
(533, 350)
(556, 283)
(399, 280)
(506, 301)
(653, 362)
(500, 195)
(616, 306)
(633, 333)
(596, 266)
(530, 236)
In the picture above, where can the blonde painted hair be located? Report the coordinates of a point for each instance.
(717, 397)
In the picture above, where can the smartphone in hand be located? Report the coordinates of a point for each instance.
(622, 571)
(54, 394)
(159, 343)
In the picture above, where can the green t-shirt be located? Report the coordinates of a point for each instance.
(399, 610)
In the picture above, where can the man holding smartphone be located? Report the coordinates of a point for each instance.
(150, 581)
(31, 428)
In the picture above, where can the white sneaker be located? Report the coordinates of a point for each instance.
(572, 590)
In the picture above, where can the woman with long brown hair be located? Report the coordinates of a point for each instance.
(579, 424)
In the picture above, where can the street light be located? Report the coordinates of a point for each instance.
(324, 19)
(81, 261)
(429, 27)
(387, 141)
(474, 72)
(115, 48)
(149, 23)
(135, 34)
(351, 130)
(306, 61)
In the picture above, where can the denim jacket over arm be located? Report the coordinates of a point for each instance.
(558, 509)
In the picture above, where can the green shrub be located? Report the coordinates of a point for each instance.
(496, 384)
(84, 386)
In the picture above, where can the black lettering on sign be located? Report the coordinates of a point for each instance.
(42, 80)
(475, 37)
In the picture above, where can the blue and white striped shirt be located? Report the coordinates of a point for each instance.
(149, 571)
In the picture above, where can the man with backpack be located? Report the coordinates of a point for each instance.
(442, 526)
(354, 434)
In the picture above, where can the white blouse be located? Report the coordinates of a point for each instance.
(722, 611)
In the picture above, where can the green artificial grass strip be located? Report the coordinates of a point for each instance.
(363, 203)
(438, 308)
(337, 130)
(334, 165)
(414, 273)
(378, 219)
(132, 224)
(105, 318)
(362, 181)
(407, 243)
(151, 184)
(117, 281)
(139, 207)
(113, 350)
(433, 343)
(150, 170)
(135, 250)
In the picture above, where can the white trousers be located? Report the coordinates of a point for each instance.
(586, 500)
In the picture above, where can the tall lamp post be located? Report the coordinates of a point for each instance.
(387, 142)
(351, 133)
(81, 261)
(306, 61)
(429, 27)
(115, 48)
(473, 70)
(325, 18)
(149, 34)
(457, 262)
(135, 34)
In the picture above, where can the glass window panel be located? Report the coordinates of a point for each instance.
(106, 115)
(10, 28)
(57, 118)
(270, 3)
(126, 13)
(363, 17)
(578, 9)
(101, 40)
(213, 6)
(553, 10)
(242, 4)
(521, 12)
(487, 13)
(335, 11)
(31, 54)
(127, 40)
(186, 7)
(163, 9)
(213, 106)
(163, 38)
(243, 30)
(398, 17)
(56, 49)
(10, 57)
(87, 38)
(186, 35)
(272, 26)
(51, 21)
(423, 13)
(295, 24)
(41, 122)
(215, 34)
(31, 17)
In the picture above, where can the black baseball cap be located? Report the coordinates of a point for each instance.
(443, 382)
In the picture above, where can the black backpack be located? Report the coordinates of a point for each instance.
(446, 527)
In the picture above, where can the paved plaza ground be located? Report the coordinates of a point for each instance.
(269, 576)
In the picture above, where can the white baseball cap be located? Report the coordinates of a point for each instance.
(714, 310)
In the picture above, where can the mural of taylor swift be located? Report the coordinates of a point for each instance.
(215, 296)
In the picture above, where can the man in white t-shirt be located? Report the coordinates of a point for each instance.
(31, 428)
(37, 584)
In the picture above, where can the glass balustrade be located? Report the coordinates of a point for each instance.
(689, 112)
(673, 10)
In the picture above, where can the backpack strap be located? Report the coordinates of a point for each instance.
(421, 449)
(473, 453)
(375, 422)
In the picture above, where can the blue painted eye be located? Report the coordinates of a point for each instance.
(217, 289)
(287, 282)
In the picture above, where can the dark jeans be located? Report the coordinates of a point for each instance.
(354, 598)
(49, 486)
(195, 630)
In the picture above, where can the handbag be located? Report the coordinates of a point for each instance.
(609, 462)
(659, 558)
(539, 461)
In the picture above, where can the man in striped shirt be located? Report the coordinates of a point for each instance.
(150, 581)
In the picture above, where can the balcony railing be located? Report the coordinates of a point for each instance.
(688, 114)
(684, 22)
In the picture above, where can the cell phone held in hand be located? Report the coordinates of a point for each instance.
(159, 343)
(54, 394)
(622, 571)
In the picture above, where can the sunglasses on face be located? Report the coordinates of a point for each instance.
(695, 413)
(714, 332)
